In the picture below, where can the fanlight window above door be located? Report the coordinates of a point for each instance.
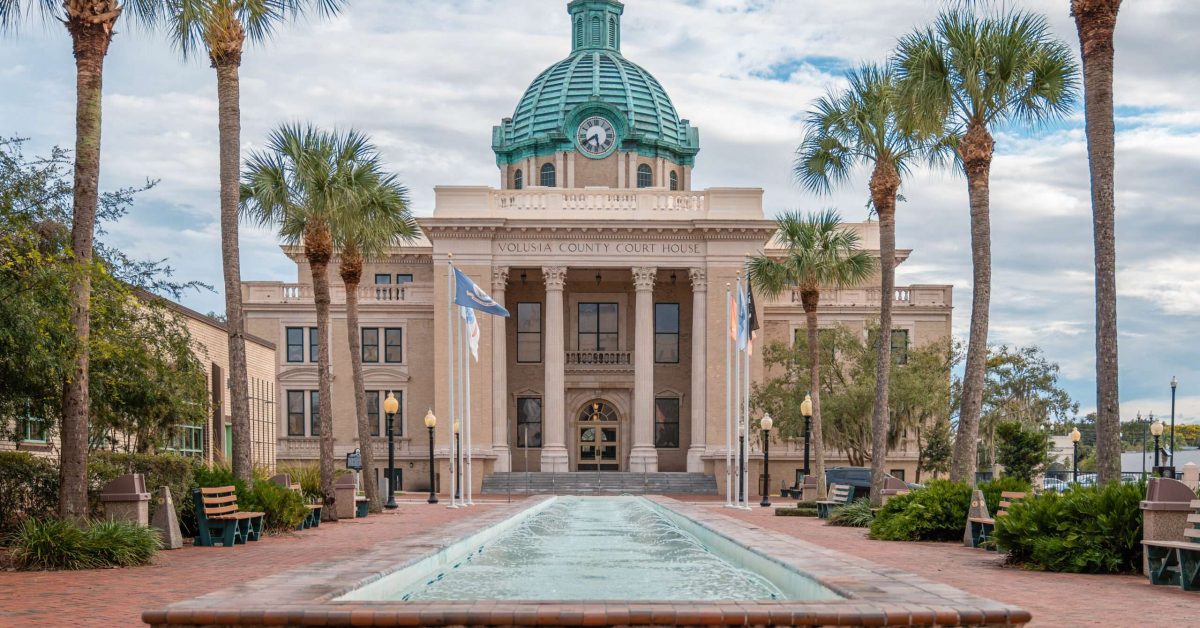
(599, 411)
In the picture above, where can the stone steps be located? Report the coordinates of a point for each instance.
(605, 482)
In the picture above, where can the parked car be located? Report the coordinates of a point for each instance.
(859, 478)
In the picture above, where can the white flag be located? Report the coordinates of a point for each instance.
(468, 315)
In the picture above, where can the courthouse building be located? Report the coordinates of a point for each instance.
(614, 270)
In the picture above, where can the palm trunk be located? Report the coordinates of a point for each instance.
(976, 151)
(229, 134)
(1096, 21)
(885, 181)
(90, 35)
(810, 300)
(351, 272)
(318, 246)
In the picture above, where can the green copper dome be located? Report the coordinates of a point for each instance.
(596, 79)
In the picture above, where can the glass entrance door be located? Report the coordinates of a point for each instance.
(597, 438)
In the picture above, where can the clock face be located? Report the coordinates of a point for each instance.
(595, 136)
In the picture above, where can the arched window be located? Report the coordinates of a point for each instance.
(579, 33)
(674, 181)
(597, 32)
(645, 176)
(612, 32)
(518, 180)
(548, 175)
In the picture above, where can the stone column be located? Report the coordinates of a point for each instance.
(571, 169)
(643, 458)
(559, 173)
(687, 179)
(660, 173)
(500, 375)
(554, 429)
(699, 400)
(621, 157)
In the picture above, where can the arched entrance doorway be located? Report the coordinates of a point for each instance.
(597, 437)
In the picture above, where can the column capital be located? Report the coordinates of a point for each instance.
(499, 277)
(554, 276)
(699, 279)
(644, 277)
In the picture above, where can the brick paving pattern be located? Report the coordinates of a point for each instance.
(117, 597)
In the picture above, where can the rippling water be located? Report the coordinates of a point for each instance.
(594, 549)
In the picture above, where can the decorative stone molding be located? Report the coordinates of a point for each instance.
(644, 277)
(554, 276)
(499, 277)
(699, 279)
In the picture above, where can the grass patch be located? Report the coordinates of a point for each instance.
(856, 514)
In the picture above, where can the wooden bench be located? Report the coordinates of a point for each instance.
(982, 527)
(1177, 562)
(217, 511)
(839, 495)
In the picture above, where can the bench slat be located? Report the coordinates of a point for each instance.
(1183, 545)
(219, 510)
(220, 501)
(1191, 533)
(1194, 518)
(1194, 504)
(216, 490)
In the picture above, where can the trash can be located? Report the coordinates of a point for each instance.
(126, 499)
(344, 490)
(1164, 512)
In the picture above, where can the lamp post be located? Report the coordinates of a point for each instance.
(390, 407)
(806, 410)
(1156, 429)
(1145, 425)
(766, 425)
(457, 467)
(431, 422)
(1075, 435)
(741, 463)
(1174, 384)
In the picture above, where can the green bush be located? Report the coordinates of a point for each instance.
(283, 508)
(28, 488)
(937, 512)
(1088, 529)
(308, 476)
(856, 514)
(167, 469)
(60, 544)
(795, 512)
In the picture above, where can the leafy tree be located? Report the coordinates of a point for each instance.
(1096, 21)
(820, 254)
(969, 73)
(1022, 385)
(219, 28)
(856, 126)
(1022, 450)
(936, 451)
(91, 24)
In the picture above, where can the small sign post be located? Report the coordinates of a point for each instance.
(354, 460)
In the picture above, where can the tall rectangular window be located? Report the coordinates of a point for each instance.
(529, 421)
(900, 346)
(383, 279)
(370, 344)
(314, 344)
(373, 402)
(404, 278)
(666, 422)
(295, 412)
(666, 333)
(393, 346)
(529, 332)
(314, 412)
(32, 429)
(295, 344)
(598, 327)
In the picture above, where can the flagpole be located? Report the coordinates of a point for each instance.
(737, 392)
(462, 408)
(746, 415)
(451, 400)
(728, 400)
(468, 478)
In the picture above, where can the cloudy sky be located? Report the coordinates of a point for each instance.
(427, 79)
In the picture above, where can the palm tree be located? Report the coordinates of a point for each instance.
(820, 254)
(308, 183)
(853, 127)
(969, 72)
(379, 220)
(91, 25)
(1096, 20)
(219, 28)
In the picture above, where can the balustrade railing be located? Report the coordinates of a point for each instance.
(599, 360)
(266, 292)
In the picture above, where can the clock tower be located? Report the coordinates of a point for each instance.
(595, 118)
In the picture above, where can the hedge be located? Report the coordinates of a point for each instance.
(937, 512)
(28, 489)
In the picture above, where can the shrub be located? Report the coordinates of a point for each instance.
(856, 514)
(1089, 529)
(795, 512)
(937, 512)
(283, 508)
(308, 476)
(28, 488)
(61, 544)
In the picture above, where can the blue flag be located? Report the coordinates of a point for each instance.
(467, 294)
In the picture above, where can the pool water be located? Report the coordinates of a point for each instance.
(590, 549)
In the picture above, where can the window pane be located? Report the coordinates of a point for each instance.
(666, 348)
(548, 175)
(373, 411)
(314, 411)
(608, 322)
(518, 180)
(295, 344)
(529, 422)
(405, 278)
(644, 176)
(313, 344)
(393, 345)
(608, 342)
(370, 344)
(529, 347)
(383, 279)
(674, 181)
(295, 412)
(666, 422)
(588, 318)
(529, 317)
(900, 346)
(398, 419)
(666, 318)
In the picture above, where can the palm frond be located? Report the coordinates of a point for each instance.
(818, 252)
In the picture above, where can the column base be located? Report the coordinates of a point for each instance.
(554, 459)
(503, 463)
(695, 459)
(643, 459)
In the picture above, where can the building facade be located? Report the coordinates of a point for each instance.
(614, 270)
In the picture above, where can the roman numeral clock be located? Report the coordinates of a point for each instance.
(595, 136)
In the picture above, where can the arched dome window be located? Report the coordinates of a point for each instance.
(548, 175)
(597, 31)
(674, 181)
(645, 177)
(518, 180)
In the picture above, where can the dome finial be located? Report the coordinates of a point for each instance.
(595, 24)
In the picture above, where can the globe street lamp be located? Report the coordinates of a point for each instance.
(390, 407)
(766, 425)
(806, 410)
(1174, 384)
(1075, 435)
(1156, 428)
(457, 467)
(431, 422)
(1145, 424)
